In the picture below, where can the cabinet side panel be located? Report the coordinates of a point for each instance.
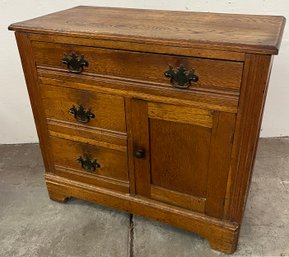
(28, 64)
(253, 93)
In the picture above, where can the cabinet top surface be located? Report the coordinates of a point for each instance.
(231, 32)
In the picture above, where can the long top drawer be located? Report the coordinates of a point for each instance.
(145, 68)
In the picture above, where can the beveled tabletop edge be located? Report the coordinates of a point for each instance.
(201, 44)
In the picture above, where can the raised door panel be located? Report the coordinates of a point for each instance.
(176, 150)
(186, 155)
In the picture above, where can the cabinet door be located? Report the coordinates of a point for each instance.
(182, 155)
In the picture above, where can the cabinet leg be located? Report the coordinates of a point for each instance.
(57, 196)
(227, 247)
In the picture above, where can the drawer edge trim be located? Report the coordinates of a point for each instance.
(99, 177)
(101, 144)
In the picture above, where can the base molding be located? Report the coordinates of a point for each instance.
(222, 235)
(58, 197)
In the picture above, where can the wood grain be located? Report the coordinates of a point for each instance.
(113, 164)
(28, 64)
(243, 33)
(130, 145)
(179, 156)
(91, 179)
(140, 134)
(253, 95)
(142, 67)
(199, 143)
(180, 114)
(57, 196)
(89, 141)
(219, 163)
(116, 140)
(139, 47)
(108, 110)
(222, 235)
(178, 199)
(219, 101)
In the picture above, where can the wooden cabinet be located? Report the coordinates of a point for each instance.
(153, 112)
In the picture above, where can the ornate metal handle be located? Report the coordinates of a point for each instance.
(88, 164)
(181, 78)
(80, 114)
(74, 63)
(139, 153)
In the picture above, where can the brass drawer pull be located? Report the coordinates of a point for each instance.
(181, 78)
(88, 164)
(74, 63)
(80, 114)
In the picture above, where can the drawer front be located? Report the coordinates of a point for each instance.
(185, 72)
(89, 163)
(84, 107)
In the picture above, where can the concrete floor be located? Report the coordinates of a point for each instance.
(32, 225)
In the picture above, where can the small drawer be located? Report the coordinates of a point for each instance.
(90, 164)
(145, 68)
(84, 108)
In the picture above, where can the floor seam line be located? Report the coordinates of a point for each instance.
(131, 236)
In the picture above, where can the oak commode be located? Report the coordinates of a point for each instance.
(153, 112)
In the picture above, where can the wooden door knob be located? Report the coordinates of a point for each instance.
(140, 153)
